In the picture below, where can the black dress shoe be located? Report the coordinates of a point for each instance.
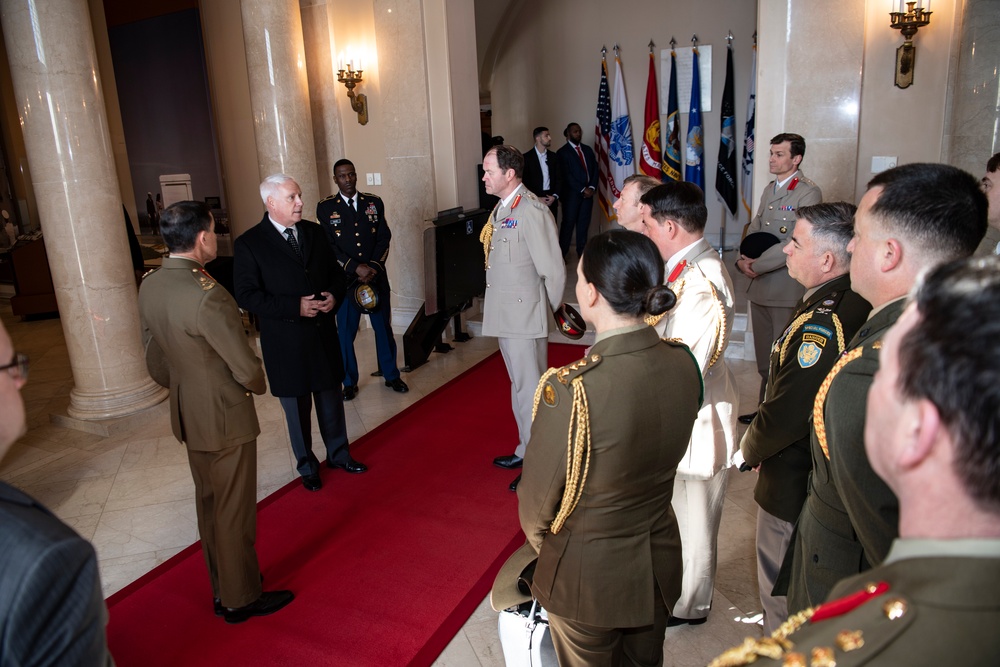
(746, 419)
(268, 603)
(312, 482)
(674, 621)
(508, 462)
(513, 485)
(350, 466)
(350, 392)
(219, 609)
(397, 385)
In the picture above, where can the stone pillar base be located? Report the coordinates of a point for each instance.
(111, 404)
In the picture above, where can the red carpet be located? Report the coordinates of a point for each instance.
(386, 566)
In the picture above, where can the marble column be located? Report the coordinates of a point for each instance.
(279, 94)
(971, 131)
(58, 93)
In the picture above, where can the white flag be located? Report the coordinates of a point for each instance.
(620, 148)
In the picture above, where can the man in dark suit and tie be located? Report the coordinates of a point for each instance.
(578, 166)
(355, 225)
(286, 274)
(51, 608)
(541, 171)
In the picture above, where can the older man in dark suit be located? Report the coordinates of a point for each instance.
(192, 330)
(541, 171)
(287, 275)
(578, 166)
(51, 608)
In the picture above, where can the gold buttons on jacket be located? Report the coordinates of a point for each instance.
(894, 608)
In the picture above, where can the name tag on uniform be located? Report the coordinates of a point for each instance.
(509, 223)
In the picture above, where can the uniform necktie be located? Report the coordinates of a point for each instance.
(350, 202)
(290, 233)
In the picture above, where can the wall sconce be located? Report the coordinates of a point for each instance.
(359, 102)
(907, 23)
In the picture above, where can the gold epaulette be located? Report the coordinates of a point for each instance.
(150, 272)
(578, 439)
(328, 198)
(372, 195)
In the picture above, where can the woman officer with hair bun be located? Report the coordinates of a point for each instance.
(608, 433)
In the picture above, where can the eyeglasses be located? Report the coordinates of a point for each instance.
(18, 367)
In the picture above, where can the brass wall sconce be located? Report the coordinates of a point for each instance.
(907, 23)
(359, 102)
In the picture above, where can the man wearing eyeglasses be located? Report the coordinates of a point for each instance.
(51, 607)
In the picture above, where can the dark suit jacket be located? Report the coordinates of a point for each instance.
(532, 174)
(192, 325)
(622, 541)
(574, 178)
(51, 608)
(357, 237)
(301, 354)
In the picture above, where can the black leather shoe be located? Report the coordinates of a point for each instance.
(350, 392)
(513, 485)
(674, 621)
(508, 462)
(219, 609)
(397, 385)
(268, 603)
(746, 419)
(312, 482)
(350, 466)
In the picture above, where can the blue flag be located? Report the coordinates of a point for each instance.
(695, 138)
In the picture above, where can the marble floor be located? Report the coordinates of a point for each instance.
(131, 493)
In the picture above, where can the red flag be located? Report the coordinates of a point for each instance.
(650, 162)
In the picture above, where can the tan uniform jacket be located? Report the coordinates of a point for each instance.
(599, 569)
(703, 320)
(525, 273)
(192, 323)
(776, 215)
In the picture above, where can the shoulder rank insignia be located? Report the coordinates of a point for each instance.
(205, 281)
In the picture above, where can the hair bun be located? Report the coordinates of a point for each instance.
(659, 299)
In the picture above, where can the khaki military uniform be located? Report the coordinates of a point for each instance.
(525, 277)
(773, 292)
(191, 326)
(616, 559)
(850, 516)
(778, 438)
(934, 606)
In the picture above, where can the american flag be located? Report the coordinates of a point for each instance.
(602, 140)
